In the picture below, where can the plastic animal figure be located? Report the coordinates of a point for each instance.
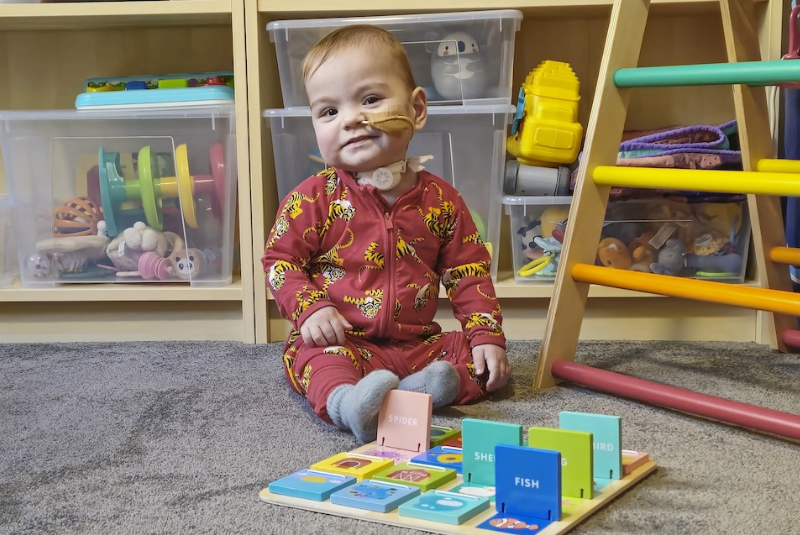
(458, 68)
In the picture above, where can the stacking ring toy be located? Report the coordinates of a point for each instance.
(151, 188)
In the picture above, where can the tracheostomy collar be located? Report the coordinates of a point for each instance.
(387, 177)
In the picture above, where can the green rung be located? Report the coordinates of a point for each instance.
(746, 72)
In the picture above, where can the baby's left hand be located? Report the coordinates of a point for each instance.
(493, 358)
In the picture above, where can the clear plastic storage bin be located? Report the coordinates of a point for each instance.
(456, 57)
(123, 195)
(8, 251)
(467, 144)
(704, 240)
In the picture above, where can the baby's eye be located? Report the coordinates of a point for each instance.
(371, 100)
(329, 112)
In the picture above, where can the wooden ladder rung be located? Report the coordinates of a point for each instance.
(744, 72)
(745, 182)
(700, 290)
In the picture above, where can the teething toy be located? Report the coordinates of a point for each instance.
(77, 216)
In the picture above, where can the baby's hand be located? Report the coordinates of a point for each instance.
(495, 359)
(325, 327)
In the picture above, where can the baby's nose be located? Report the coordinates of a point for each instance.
(355, 118)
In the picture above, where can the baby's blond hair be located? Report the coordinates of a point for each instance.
(356, 36)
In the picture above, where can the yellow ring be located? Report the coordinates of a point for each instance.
(535, 265)
(185, 189)
(450, 458)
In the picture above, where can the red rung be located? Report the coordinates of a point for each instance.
(750, 416)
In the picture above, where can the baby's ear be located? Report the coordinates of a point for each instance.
(420, 102)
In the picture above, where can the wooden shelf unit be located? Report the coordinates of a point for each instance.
(679, 32)
(105, 15)
(50, 50)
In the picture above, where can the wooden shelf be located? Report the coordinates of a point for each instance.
(94, 15)
(543, 8)
(122, 293)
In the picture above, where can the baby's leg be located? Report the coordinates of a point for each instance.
(342, 387)
(356, 407)
(443, 368)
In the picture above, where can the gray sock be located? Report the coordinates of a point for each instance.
(439, 379)
(355, 407)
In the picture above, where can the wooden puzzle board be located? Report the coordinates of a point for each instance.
(575, 517)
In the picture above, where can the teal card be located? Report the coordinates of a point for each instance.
(479, 440)
(310, 484)
(475, 489)
(607, 440)
(443, 506)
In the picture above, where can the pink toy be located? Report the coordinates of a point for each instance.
(152, 266)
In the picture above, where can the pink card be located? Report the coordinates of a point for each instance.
(404, 421)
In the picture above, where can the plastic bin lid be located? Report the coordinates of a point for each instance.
(162, 112)
(537, 200)
(397, 19)
(305, 111)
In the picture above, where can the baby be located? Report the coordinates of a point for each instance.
(357, 252)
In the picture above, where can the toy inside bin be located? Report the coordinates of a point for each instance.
(538, 225)
(705, 240)
(123, 195)
(685, 237)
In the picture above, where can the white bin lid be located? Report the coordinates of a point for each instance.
(428, 18)
(305, 111)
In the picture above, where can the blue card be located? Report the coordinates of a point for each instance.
(443, 456)
(607, 436)
(310, 484)
(374, 495)
(444, 506)
(528, 482)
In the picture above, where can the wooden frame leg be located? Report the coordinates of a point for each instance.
(603, 135)
(752, 115)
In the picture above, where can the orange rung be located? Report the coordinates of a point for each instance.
(785, 255)
(698, 290)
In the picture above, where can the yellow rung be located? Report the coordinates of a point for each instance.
(771, 165)
(698, 290)
(754, 182)
(785, 255)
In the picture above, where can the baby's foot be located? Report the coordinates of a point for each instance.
(439, 379)
(355, 407)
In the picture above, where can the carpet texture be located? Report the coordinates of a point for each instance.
(179, 438)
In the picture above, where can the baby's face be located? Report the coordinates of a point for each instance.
(345, 87)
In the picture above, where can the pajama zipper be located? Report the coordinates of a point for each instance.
(388, 303)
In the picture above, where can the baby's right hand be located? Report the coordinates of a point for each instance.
(325, 327)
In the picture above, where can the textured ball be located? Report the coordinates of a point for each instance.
(77, 216)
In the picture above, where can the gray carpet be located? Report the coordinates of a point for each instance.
(180, 437)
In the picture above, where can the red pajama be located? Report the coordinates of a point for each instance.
(338, 243)
(315, 371)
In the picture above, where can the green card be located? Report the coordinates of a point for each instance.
(576, 458)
